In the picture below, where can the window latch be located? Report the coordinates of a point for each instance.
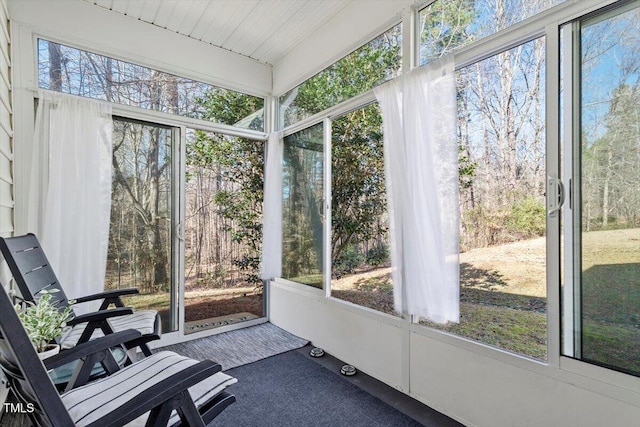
(180, 231)
(555, 196)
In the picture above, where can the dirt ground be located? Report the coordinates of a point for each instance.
(201, 305)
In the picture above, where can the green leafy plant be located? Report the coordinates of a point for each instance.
(378, 255)
(527, 218)
(350, 258)
(43, 321)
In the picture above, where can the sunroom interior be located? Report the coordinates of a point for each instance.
(266, 164)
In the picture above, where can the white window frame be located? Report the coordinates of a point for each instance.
(569, 357)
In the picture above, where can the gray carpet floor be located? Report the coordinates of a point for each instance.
(291, 389)
(239, 347)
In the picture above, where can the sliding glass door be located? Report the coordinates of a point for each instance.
(302, 207)
(141, 251)
(222, 230)
(220, 186)
(602, 283)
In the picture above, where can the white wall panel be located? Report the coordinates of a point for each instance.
(4, 34)
(6, 131)
(96, 29)
(5, 92)
(5, 191)
(6, 155)
(373, 346)
(5, 168)
(6, 215)
(5, 117)
(5, 145)
(483, 391)
(4, 65)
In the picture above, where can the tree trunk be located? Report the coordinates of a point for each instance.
(605, 189)
(55, 71)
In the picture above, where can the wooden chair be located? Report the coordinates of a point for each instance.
(33, 273)
(162, 389)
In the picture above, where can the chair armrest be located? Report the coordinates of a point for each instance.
(91, 347)
(116, 293)
(160, 393)
(100, 315)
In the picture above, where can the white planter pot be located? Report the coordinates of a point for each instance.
(52, 350)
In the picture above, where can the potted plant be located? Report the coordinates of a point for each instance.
(44, 322)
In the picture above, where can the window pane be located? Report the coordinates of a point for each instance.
(447, 25)
(372, 64)
(610, 192)
(77, 72)
(361, 271)
(139, 252)
(502, 181)
(223, 230)
(302, 207)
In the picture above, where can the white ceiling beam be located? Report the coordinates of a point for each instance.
(85, 26)
(357, 23)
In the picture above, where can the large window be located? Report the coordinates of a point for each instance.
(77, 72)
(446, 25)
(303, 207)
(602, 290)
(372, 64)
(360, 264)
(502, 182)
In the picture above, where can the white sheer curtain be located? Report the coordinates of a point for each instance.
(271, 265)
(74, 190)
(421, 164)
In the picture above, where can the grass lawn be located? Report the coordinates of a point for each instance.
(611, 298)
(314, 280)
(522, 332)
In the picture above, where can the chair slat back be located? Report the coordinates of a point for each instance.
(19, 360)
(31, 269)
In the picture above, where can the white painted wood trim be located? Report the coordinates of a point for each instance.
(82, 25)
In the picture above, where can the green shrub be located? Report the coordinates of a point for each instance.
(527, 218)
(378, 255)
(488, 225)
(348, 260)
